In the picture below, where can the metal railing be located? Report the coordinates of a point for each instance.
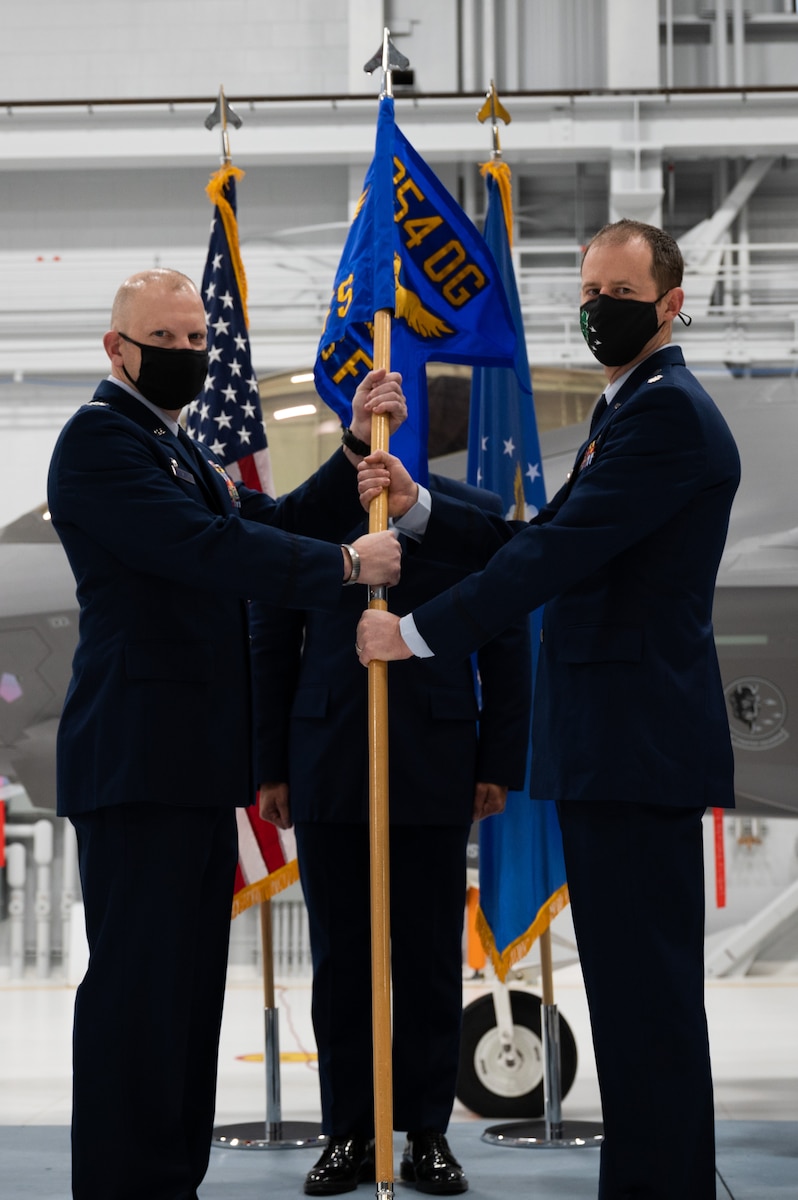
(53, 310)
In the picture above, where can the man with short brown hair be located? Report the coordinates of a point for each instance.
(630, 730)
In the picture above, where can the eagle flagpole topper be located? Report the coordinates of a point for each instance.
(221, 113)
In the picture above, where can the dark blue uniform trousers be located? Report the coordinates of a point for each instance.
(427, 883)
(157, 886)
(636, 882)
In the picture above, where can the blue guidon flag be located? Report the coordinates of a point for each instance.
(410, 249)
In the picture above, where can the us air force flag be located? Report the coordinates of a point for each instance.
(521, 866)
(410, 249)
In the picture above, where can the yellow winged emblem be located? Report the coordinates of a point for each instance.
(408, 306)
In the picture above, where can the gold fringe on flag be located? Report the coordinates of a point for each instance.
(266, 888)
(502, 174)
(215, 190)
(523, 944)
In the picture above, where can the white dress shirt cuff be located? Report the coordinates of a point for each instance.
(413, 639)
(414, 522)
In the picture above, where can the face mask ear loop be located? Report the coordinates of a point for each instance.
(125, 338)
(683, 317)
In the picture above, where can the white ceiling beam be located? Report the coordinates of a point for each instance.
(444, 129)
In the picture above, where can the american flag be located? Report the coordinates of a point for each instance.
(267, 861)
(227, 418)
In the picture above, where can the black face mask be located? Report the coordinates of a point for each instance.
(617, 330)
(169, 379)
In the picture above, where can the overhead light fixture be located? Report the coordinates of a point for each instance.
(299, 410)
(306, 378)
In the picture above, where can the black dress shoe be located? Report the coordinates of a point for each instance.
(429, 1164)
(345, 1162)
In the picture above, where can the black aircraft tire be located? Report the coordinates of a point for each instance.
(485, 1084)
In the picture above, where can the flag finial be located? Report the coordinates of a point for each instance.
(223, 112)
(389, 59)
(494, 109)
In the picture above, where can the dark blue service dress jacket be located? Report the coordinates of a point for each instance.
(166, 551)
(628, 698)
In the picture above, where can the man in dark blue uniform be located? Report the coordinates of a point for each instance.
(449, 763)
(630, 731)
(155, 740)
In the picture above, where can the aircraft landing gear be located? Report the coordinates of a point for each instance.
(504, 1078)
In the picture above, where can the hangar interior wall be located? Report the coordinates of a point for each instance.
(637, 107)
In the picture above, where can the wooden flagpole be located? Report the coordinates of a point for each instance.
(387, 58)
(379, 828)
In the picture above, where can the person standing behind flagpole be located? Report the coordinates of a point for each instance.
(630, 728)
(450, 763)
(154, 747)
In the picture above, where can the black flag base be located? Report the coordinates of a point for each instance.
(274, 1133)
(567, 1135)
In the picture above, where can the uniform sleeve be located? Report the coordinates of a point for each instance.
(653, 461)
(118, 507)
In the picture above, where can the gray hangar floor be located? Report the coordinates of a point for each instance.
(755, 1053)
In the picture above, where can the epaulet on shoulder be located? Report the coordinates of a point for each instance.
(664, 376)
(97, 404)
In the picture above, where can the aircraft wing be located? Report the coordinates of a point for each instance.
(38, 634)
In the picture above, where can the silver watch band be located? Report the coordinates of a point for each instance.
(354, 558)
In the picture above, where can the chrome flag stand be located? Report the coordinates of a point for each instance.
(552, 1133)
(274, 1133)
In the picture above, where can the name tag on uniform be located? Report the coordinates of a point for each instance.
(179, 473)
